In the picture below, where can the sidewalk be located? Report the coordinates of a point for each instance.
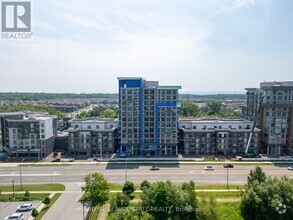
(41, 206)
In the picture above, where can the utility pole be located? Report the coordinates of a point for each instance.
(125, 168)
(13, 189)
(20, 174)
(227, 177)
(82, 210)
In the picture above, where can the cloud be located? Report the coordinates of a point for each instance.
(239, 4)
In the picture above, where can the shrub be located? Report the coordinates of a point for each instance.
(128, 188)
(35, 212)
(47, 200)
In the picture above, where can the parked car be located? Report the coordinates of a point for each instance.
(155, 168)
(228, 166)
(209, 168)
(25, 207)
(290, 168)
(15, 216)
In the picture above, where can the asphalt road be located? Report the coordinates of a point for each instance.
(118, 173)
(68, 206)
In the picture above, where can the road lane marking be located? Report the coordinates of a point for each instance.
(32, 174)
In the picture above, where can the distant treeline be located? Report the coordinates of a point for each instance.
(214, 96)
(19, 96)
(32, 108)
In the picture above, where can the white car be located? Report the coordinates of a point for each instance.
(290, 168)
(210, 168)
(16, 216)
(25, 207)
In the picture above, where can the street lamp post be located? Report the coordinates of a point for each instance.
(227, 177)
(82, 210)
(20, 173)
(125, 168)
(13, 189)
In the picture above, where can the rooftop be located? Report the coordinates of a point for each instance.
(129, 78)
(215, 120)
(169, 87)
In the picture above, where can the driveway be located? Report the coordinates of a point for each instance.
(68, 205)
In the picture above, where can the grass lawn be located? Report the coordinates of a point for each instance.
(219, 187)
(34, 187)
(223, 195)
(20, 197)
(46, 208)
(119, 187)
(229, 211)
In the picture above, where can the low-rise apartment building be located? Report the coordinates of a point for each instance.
(92, 136)
(216, 136)
(28, 134)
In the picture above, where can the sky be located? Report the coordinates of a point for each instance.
(203, 45)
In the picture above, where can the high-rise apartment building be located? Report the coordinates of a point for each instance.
(148, 115)
(275, 118)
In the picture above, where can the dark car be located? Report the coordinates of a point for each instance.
(155, 168)
(228, 166)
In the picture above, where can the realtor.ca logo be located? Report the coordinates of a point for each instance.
(16, 22)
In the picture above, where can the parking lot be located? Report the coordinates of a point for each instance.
(8, 208)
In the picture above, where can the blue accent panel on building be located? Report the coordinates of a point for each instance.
(119, 115)
(160, 105)
(141, 107)
(129, 83)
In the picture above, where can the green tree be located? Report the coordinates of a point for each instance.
(27, 194)
(96, 189)
(256, 175)
(188, 186)
(215, 107)
(130, 213)
(35, 213)
(144, 185)
(108, 113)
(119, 200)
(163, 200)
(188, 109)
(46, 200)
(269, 199)
(128, 188)
(208, 208)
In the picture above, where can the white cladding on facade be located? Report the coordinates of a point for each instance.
(92, 136)
(214, 123)
(94, 124)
